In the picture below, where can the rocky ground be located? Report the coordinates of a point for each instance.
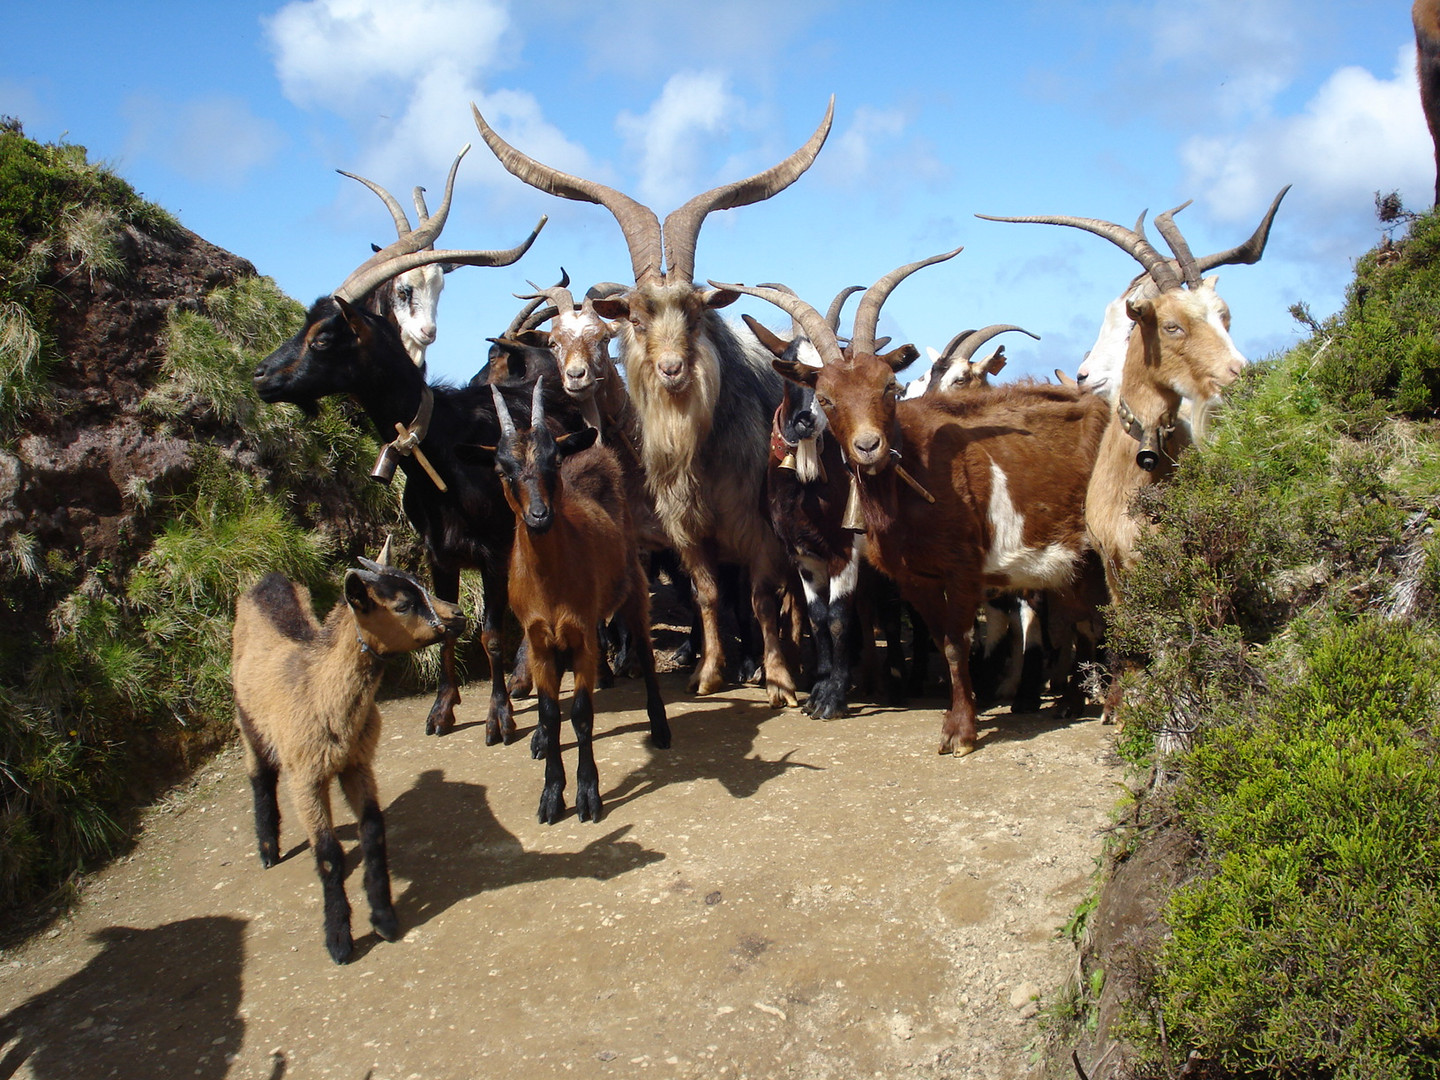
(772, 897)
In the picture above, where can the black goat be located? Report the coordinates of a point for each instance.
(457, 508)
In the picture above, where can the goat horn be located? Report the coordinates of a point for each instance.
(527, 318)
(811, 321)
(832, 316)
(537, 405)
(502, 414)
(558, 295)
(603, 289)
(1184, 260)
(397, 212)
(395, 260)
(1131, 241)
(418, 197)
(682, 227)
(1250, 251)
(867, 316)
(383, 558)
(637, 221)
(796, 330)
(967, 343)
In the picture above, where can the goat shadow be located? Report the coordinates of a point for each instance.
(447, 844)
(162, 1003)
(714, 739)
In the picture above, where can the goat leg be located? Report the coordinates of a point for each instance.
(779, 683)
(582, 720)
(358, 783)
(709, 676)
(500, 721)
(263, 779)
(635, 620)
(313, 802)
(446, 582)
(520, 684)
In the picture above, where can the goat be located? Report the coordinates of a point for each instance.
(305, 707)
(955, 496)
(410, 300)
(1181, 351)
(1425, 15)
(1100, 370)
(457, 509)
(705, 395)
(574, 563)
(953, 369)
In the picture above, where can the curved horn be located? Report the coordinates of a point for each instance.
(682, 227)
(967, 343)
(502, 414)
(637, 221)
(602, 289)
(832, 316)
(523, 320)
(1250, 251)
(396, 259)
(1184, 260)
(810, 321)
(397, 212)
(1131, 241)
(558, 295)
(867, 316)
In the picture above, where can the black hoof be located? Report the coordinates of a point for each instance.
(385, 924)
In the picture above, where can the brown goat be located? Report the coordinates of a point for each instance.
(1425, 14)
(305, 706)
(574, 564)
(704, 393)
(956, 496)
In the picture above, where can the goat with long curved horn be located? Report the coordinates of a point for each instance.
(704, 394)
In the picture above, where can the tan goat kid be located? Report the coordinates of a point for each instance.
(305, 706)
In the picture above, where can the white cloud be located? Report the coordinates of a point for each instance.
(1359, 134)
(878, 148)
(671, 139)
(212, 140)
(347, 55)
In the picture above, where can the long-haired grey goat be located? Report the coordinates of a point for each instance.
(305, 704)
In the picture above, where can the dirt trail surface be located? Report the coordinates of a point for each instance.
(772, 897)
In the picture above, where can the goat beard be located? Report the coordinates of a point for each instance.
(673, 429)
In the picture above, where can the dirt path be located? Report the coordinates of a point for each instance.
(774, 896)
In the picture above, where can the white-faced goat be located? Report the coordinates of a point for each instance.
(705, 394)
(954, 370)
(457, 509)
(411, 300)
(1100, 370)
(305, 706)
(574, 564)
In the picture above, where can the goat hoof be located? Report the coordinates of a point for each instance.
(269, 855)
(959, 749)
(706, 683)
(552, 808)
(587, 805)
(782, 697)
(338, 943)
(539, 744)
(660, 734)
(385, 924)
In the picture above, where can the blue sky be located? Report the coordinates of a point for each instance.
(236, 115)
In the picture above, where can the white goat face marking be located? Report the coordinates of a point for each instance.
(1025, 567)
(415, 301)
(1100, 373)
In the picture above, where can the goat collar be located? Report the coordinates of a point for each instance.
(1152, 438)
(787, 455)
(406, 443)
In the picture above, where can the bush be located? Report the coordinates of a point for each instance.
(1309, 947)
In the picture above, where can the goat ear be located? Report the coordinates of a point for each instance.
(718, 298)
(449, 268)
(612, 307)
(791, 368)
(357, 591)
(1141, 309)
(537, 338)
(475, 454)
(995, 362)
(901, 358)
(352, 317)
(767, 337)
(572, 442)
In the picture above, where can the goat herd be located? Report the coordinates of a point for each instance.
(782, 457)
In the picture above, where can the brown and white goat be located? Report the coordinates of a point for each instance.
(305, 706)
(574, 564)
(954, 370)
(955, 496)
(1425, 15)
(704, 392)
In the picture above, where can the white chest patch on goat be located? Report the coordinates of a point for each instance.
(1025, 567)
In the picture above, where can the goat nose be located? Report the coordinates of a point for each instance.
(671, 366)
(867, 443)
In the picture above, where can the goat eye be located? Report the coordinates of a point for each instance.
(824, 402)
(1173, 328)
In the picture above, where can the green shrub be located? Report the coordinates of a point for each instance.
(1312, 945)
